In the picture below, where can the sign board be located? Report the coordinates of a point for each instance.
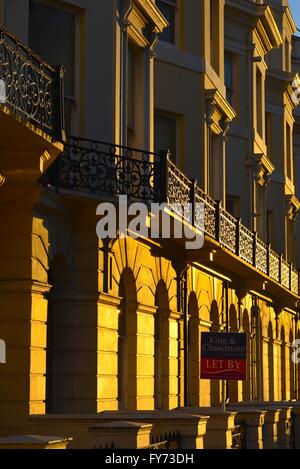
(223, 356)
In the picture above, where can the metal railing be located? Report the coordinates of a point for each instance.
(239, 437)
(169, 440)
(104, 169)
(31, 88)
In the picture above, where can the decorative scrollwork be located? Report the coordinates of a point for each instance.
(274, 265)
(228, 230)
(285, 273)
(261, 256)
(294, 280)
(209, 212)
(246, 244)
(105, 170)
(179, 190)
(33, 89)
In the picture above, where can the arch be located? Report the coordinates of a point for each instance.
(233, 322)
(59, 383)
(215, 316)
(271, 362)
(246, 386)
(161, 348)
(127, 342)
(283, 364)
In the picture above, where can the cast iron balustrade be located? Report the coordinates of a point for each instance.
(106, 170)
(30, 88)
(103, 169)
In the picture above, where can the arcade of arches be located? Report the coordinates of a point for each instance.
(126, 350)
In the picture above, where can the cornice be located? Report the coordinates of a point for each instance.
(290, 19)
(215, 97)
(261, 17)
(153, 14)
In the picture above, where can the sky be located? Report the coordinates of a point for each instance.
(295, 7)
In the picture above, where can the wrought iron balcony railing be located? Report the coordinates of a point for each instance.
(103, 169)
(109, 170)
(30, 88)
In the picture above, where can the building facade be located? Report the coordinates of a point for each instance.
(103, 331)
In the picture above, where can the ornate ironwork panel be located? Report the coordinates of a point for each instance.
(294, 281)
(179, 191)
(33, 90)
(274, 265)
(105, 170)
(261, 256)
(228, 227)
(246, 244)
(285, 273)
(210, 212)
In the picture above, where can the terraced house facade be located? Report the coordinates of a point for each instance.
(197, 103)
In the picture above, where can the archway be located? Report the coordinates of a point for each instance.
(127, 342)
(246, 389)
(271, 362)
(292, 368)
(162, 349)
(59, 352)
(283, 364)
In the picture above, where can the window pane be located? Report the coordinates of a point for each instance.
(229, 77)
(165, 134)
(168, 35)
(52, 36)
(228, 71)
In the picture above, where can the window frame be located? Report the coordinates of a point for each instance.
(176, 11)
(158, 112)
(75, 99)
(232, 87)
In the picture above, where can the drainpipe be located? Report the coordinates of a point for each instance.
(182, 306)
(125, 8)
(251, 219)
(227, 330)
(186, 341)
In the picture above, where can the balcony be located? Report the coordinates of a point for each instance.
(31, 91)
(105, 170)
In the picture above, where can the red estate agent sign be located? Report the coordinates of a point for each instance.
(223, 356)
